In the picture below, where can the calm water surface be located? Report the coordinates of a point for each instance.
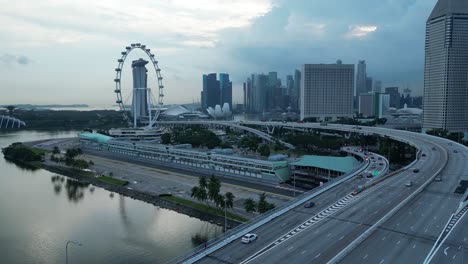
(40, 211)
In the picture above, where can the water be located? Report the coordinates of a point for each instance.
(40, 211)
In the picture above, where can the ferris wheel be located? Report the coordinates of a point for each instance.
(144, 109)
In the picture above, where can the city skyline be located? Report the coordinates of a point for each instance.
(240, 44)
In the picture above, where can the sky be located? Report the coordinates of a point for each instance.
(65, 51)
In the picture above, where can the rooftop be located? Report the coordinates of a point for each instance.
(95, 137)
(448, 7)
(341, 164)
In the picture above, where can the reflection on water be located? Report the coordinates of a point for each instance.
(21, 165)
(75, 189)
(35, 220)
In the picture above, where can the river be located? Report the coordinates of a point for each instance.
(40, 211)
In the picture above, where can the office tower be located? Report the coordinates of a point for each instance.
(259, 93)
(446, 67)
(374, 104)
(377, 88)
(211, 91)
(395, 98)
(140, 89)
(297, 89)
(361, 78)
(369, 83)
(327, 91)
(225, 89)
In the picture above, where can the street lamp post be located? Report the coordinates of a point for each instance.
(294, 181)
(66, 248)
(225, 216)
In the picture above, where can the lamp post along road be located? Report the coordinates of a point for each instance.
(66, 248)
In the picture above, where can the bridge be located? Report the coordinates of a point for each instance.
(389, 222)
(10, 122)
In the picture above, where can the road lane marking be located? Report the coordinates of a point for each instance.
(398, 242)
(365, 256)
(303, 252)
(318, 255)
(445, 251)
(414, 246)
(382, 261)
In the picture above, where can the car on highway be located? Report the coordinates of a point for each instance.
(409, 184)
(437, 179)
(416, 170)
(379, 158)
(380, 164)
(309, 205)
(248, 238)
(455, 151)
(424, 155)
(433, 148)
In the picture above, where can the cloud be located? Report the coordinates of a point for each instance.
(10, 59)
(360, 31)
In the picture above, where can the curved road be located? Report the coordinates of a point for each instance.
(404, 236)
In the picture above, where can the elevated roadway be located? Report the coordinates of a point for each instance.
(388, 223)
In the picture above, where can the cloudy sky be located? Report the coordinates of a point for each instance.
(65, 51)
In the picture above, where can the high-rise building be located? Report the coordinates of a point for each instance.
(259, 93)
(361, 78)
(369, 84)
(446, 67)
(211, 91)
(327, 91)
(377, 88)
(225, 89)
(297, 89)
(374, 104)
(395, 98)
(140, 89)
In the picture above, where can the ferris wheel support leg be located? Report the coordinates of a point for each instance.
(148, 101)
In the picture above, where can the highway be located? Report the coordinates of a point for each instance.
(389, 223)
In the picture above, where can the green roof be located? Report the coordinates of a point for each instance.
(341, 164)
(95, 137)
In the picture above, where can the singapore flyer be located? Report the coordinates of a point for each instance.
(138, 105)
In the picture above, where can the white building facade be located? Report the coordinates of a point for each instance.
(446, 67)
(327, 91)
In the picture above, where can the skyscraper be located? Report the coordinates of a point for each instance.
(297, 90)
(225, 89)
(446, 67)
(211, 91)
(394, 96)
(327, 91)
(140, 89)
(361, 78)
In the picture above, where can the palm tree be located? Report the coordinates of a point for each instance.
(262, 203)
(214, 186)
(229, 199)
(250, 206)
(56, 150)
(10, 109)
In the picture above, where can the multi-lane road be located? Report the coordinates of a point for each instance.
(388, 223)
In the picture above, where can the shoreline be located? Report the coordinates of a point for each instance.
(155, 200)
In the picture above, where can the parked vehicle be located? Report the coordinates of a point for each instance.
(416, 170)
(437, 179)
(309, 205)
(249, 238)
(409, 184)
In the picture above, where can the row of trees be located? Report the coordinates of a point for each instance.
(262, 206)
(70, 158)
(210, 191)
(197, 136)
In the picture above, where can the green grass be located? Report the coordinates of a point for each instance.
(113, 180)
(203, 207)
(40, 151)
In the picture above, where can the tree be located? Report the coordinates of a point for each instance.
(262, 205)
(264, 150)
(56, 150)
(214, 186)
(229, 196)
(250, 205)
(166, 138)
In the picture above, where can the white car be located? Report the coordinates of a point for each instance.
(248, 238)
